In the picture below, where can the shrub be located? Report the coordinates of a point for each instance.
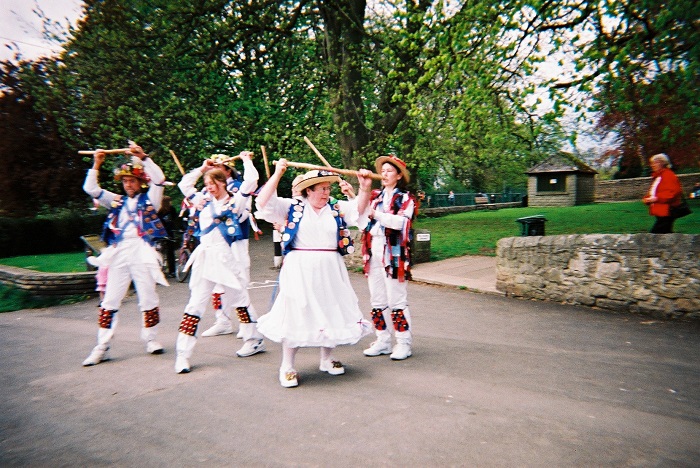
(43, 235)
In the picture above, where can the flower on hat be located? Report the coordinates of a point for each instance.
(132, 170)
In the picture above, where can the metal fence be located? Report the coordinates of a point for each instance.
(470, 198)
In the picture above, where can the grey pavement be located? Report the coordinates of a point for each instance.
(472, 273)
(493, 381)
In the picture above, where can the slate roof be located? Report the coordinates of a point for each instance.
(562, 162)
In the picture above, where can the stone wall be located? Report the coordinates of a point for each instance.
(565, 198)
(651, 274)
(41, 284)
(635, 189)
(445, 210)
(585, 189)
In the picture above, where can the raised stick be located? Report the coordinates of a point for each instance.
(224, 161)
(312, 167)
(177, 161)
(109, 151)
(267, 165)
(318, 153)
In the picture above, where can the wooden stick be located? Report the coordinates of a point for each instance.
(312, 167)
(224, 161)
(318, 153)
(109, 151)
(177, 161)
(267, 165)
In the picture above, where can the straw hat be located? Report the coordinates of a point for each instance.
(315, 177)
(218, 158)
(394, 161)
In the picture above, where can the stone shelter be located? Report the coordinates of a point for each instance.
(561, 180)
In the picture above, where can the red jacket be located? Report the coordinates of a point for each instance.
(668, 193)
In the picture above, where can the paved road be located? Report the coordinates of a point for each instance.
(493, 381)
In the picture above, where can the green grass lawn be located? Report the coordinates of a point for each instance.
(472, 233)
(477, 232)
(51, 263)
(16, 299)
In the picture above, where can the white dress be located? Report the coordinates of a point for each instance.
(214, 259)
(316, 304)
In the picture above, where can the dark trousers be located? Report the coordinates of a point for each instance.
(663, 225)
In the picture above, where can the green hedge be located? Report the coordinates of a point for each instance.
(33, 236)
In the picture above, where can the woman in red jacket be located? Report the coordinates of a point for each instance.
(665, 191)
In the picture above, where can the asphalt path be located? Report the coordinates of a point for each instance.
(493, 381)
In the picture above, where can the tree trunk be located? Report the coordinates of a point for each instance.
(344, 32)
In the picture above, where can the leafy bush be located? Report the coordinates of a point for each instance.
(43, 235)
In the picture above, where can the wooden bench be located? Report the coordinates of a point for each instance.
(485, 202)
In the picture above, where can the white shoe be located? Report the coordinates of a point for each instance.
(153, 347)
(332, 367)
(98, 355)
(182, 365)
(239, 335)
(289, 379)
(378, 348)
(219, 329)
(251, 347)
(401, 352)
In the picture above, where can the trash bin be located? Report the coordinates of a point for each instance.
(532, 225)
(420, 246)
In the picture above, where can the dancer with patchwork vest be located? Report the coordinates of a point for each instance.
(223, 324)
(386, 256)
(221, 259)
(316, 305)
(131, 229)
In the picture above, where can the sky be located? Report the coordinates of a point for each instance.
(21, 28)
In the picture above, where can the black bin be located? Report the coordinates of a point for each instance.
(532, 225)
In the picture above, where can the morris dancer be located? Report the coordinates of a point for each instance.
(131, 229)
(223, 324)
(385, 251)
(221, 259)
(316, 305)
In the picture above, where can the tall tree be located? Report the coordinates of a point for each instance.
(640, 62)
(39, 170)
(217, 75)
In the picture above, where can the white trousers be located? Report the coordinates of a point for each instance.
(231, 298)
(388, 294)
(125, 267)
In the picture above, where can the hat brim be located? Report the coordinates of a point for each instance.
(386, 159)
(305, 183)
(121, 176)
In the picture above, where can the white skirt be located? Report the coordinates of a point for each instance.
(316, 305)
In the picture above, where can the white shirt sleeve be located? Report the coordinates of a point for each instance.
(92, 188)
(250, 177)
(188, 182)
(156, 188)
(275, 210)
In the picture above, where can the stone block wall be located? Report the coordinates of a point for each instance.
(635, 189)
(585, 189)
(41, 284)
(651, 274)
(566, 198)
